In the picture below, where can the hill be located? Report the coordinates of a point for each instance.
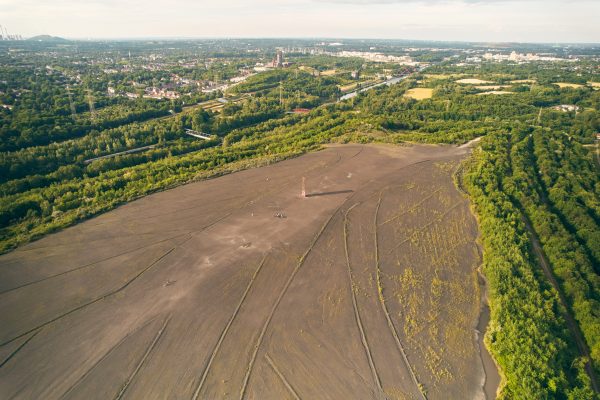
(47, 38)
(242, 287)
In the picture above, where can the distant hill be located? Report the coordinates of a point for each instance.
(47, 38)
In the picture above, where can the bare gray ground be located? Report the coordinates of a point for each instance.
(365, 289)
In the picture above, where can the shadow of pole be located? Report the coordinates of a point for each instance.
(328, 193)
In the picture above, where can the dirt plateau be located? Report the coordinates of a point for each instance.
(238, 287)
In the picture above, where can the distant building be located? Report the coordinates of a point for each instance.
(160, 93)
(473, 59)
(566, 108)
(522, 58)
(278, 60)
(376, 57)
(301, 110)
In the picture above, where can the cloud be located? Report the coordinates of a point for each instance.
(425, 2)
(482, 20)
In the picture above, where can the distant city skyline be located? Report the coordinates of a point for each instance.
(449, 20)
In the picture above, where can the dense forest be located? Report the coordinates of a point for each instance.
(533, 179)
(529, 335)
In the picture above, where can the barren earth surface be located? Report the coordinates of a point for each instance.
(238, 287)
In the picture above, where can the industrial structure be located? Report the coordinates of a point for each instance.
(90, 98)
(199, 135)
(4, 35)
(278, 60)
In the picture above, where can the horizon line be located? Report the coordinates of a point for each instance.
(179, 38)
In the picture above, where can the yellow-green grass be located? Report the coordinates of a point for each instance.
(329, 72)
(473, 81)
(419, 93)
(441, 76)
(521, 81)
(595, 85)
(346, 88)
(492, 87)
(495, 92)
(568, 85)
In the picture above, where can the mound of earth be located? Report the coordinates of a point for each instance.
(238, 287)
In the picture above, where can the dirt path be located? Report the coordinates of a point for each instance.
(259, 342)
(225, 330)
(545, 264)
(571, 323)
(382, 301)
(359, 323)
(282, 377)
(143, 359)
(470, 143)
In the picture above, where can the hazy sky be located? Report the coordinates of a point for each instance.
(468, 20)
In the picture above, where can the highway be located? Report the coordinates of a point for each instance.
(389, 82)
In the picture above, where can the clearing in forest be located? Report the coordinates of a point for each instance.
(419, 93)
(473, 81)
(492, 87)
(329, 72)
(498, 92)
(524, 81)
(442, 76)
(568, 85)
(595, 85)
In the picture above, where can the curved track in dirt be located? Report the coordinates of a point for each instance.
(359, 323)
(380, 290)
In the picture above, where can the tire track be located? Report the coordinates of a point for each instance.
(384, 306)
(357, 317)
(19, 348)
(235, 208)
(87, 242)
(276, 304)
(282, 377)
(176, 211)
(206, 227)
(129, 282)
(414, 207)
(357, 153)
(144, 358)
(104, 356)
(427, 225)
(94, 263)
(226, 330)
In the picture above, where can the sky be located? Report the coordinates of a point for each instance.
(549, 21)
